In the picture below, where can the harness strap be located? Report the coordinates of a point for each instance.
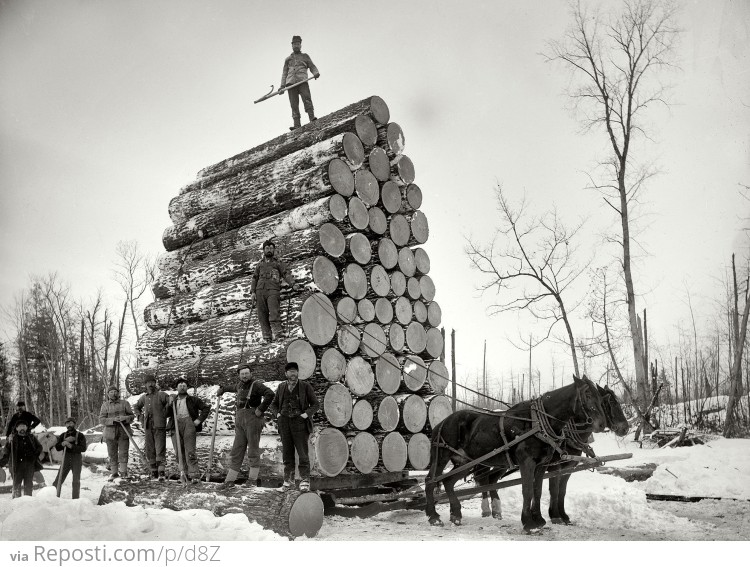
(505, 440)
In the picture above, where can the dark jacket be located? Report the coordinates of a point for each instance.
(27, 416)
(260, 397)
(295, 68)
(25, 448)
(308, 401)
(79, 446)
(269, 273)
(197, 409)
(151, 410)
(111, 410)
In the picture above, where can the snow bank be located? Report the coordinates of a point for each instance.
(45, 517)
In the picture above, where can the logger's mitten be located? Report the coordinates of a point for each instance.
(258, 413)
(303, 415)
(70, 439)
(316, 75)
(196, 422)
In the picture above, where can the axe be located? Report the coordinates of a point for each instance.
(273, 93)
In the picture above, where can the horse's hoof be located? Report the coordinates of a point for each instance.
(532, 531)
(497, 516)
(456, 520)
(557, 521)
(436, 522)
(486, 514)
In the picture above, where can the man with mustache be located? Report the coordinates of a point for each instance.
(151, 410)
(112, 414)
(191, 413)
(74, 444)
(21, 454)
(294, 71)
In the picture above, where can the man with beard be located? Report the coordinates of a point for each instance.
(151, 410)
(191, 413)
(253, 398)
(74, 444)
(294, 71)
(266, 290)
(21, 454)
(31, 420)
(294, 405)
(116, 415)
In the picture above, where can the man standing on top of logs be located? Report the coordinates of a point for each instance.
(151, 410)
(294, 405)
(253, 398)
(73, 443)
(191, 413)
(114, 412)
(21, 455)
(295, 70)
(31, 420)
(266, 290)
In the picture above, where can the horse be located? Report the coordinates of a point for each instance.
(533, 432)
(575, 444)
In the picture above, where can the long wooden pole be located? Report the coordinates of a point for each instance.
(213, 439)
(453, 368)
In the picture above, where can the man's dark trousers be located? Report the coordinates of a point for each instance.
(303, 91)
(72, 462)
(23, 473)
(268, 312)
(294, 436)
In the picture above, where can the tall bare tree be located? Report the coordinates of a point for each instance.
(616, 62)
(530, 262)
(134, 272)
(739, 337)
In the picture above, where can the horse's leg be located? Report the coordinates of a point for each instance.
(481, 480)
(497, 509)
(527, 467)
(554, 496)
(449, 483)
(561, 496)
(432, 515)
(536, 503)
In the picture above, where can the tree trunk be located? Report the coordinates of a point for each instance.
(289, 513)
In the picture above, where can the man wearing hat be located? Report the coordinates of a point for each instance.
(31, 420)
(294, 404)
(266, 291)
(151, 411)
(74, 444)
(253, 398)
(295, 70)
(21, 454)
(191, 413)
(116, 415)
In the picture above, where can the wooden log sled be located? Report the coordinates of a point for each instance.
(361, 118)
(289, 513)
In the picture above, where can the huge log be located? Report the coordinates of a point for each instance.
(311, 215)
(437, 376)
(393, 452)
(416, 338)
(337, 405)
(355, 281)
(362, 414)
(360, 118)
(275, 197)
(348, 339)
(435, 341)
(366, 186)
(374, 341)
(333, 365)
(358, 248)
(391, 139)
(402, 173)
(331, 451)
(226, 297)
(421, 261)
(388, 373)
(347, 310)
(413, 372)
(418, 451)
(438, 408)
(318, 319)
(289, 513)
(391, 197)
(364, 451)
(379, 165)
(413, 412)
(359, 376)
(386, 414)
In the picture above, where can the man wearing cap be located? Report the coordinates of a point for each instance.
(31, 420)
(253, 398)
(116, 415)
(21, 454)
(295, 70)
(74, 444)
(191, 413)
(151, 411)
(294, 404)
(266, 291)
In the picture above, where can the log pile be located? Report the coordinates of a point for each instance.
(339, 199)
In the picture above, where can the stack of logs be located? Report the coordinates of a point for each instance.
(338, 198)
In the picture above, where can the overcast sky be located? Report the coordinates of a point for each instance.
(107, 108)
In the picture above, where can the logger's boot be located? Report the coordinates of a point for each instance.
(297, 123)
(304, 485)
(252, 476)
(229, 479)
(288, 481)
(311, 116)
(278, 331)
(123, 470)
(154, 474)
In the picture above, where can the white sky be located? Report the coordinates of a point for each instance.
(107, 108)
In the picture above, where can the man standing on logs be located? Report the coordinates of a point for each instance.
(151, 410)
(73, 443)
(116, 415)
(295, 70)
(191, 413)
(266, 291)
(253, 398)
(294, 404)
(21, 455)
(31, 420)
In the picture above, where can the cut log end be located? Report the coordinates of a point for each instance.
(359, 376)
(301, 352)
(332, 240)
(318, 319)
(325, 275)
(337, 405)
(387, 253)
(365, 452)
(333, 365)
(331, 450)
(388, 373)
(366, 186)
(379, 164)
(341, 177)
(419, 451)
(394, 452)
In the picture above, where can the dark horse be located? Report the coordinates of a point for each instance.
(575, 444)
(467, 435)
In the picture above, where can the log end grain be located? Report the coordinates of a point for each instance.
(331, 450)
(419, 451)
(301, 352)
(359, 247)
(366, 187)
(318, 319)
(387, 253)
(341, 177)
(414, 196)
(379, 164)
(366, 310)
(388, 414)
(365, 452)
(366, 130)
(373, 340)
(420, 228)
(348, 338)
(406, 262)
(414, 372)
(362, 415)
(398, 230)
(383, 311)
(395, 140)
(338, 207)
(380, 281)
(379, 110)
(434, 314)
(394, 452)
(346, 310)
(325, 275)
(358, 215)
(378, 223)
(388, 373)
(337, 405)
(398, 283)
(405, 170)
(434, 342)
(333, 365)
(332, 240)
(427, 288)
(438, 408)
(390, 196)
(416, 337)
(359, 376)
(422, 261)
(306, 515)
(355, 281)
(354, 150)
(438, 376)
(396, 337)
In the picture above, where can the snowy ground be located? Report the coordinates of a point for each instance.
(603, 507)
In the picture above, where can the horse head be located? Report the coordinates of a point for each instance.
(588, 405)
(616, 419)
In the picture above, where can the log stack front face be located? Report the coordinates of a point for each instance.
(339, 199)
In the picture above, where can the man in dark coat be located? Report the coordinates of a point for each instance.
(116, 415)
(191, 413)
(266, 291)
(73, 442)
(294, 404)
(151, 410)
(21, 455)
(253, 398)
(31, 420)
(294, 71)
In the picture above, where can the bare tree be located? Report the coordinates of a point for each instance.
(57, 295)
(739, 336)
(531, 266)
(615, 62)
(134, 272)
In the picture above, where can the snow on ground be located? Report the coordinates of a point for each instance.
(603, 507)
